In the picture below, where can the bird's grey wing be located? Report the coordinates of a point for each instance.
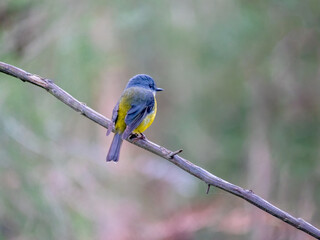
(114, 118)
(138, 111)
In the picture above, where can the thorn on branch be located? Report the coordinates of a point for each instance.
(172, 154)
(208, 189)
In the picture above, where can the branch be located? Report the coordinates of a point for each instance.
(172, 156)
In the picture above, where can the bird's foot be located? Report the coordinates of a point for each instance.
(137, 136)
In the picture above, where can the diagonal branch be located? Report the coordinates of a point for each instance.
(171, 156)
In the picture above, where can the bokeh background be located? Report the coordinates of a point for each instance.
(241, 97)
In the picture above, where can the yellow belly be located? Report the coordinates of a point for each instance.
(148, 120)
(124, 107)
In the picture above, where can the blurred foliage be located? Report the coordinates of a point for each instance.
(241, 97)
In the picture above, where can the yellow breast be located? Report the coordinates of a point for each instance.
(148, 120)
(124, 107)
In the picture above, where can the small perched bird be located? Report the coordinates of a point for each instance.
(134, 112)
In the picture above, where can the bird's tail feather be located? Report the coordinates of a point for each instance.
(114, 151)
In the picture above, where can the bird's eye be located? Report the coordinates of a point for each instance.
(150, 85)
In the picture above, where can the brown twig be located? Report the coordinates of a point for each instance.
(171, 156)
(208, 189)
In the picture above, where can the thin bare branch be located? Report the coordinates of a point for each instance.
(172, 156)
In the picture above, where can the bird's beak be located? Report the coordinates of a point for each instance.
(159, 89)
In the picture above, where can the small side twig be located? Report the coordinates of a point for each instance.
(172, 154)
(208, 189)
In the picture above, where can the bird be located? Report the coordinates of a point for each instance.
(134, 112)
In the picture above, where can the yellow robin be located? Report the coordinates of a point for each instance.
(134, 112)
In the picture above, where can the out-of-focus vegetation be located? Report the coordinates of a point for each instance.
(241, 80)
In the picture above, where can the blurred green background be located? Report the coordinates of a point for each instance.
(241, 97)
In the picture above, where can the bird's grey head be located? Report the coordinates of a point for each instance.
(144, 81)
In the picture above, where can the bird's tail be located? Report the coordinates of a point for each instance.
(114, 151)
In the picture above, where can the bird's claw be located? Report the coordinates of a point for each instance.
(137, 136)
